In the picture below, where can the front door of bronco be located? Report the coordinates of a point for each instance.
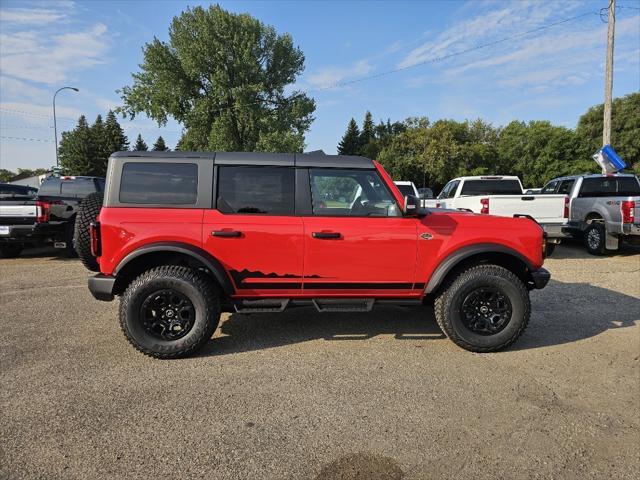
(253, 231)
(357, 243)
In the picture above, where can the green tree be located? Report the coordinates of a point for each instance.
(98, 139)
(538, 151)
(625, 131)
(368, 143)
(223, 76)
(350, 143)
(115, 139)
(160, 146)
(6, 175)
(140, 145)
(77, 151)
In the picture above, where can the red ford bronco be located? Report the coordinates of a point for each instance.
(182, 237)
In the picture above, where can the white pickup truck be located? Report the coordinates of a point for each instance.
(503, 196)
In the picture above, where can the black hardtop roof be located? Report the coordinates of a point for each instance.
(312, 159)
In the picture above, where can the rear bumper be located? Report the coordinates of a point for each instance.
(631, 229)
(19, 234)
(101, 287)
(540, 278)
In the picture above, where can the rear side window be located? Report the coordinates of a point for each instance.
(491, 187)
(550, 187)
(159, 183)
(565, 187)
(50, 186)
(609, 186)
(79, 187)
(449, 189)
(256, 190)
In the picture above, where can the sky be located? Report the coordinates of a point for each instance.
(496, 60)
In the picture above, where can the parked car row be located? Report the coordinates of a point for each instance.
(603, 209)
(45, 216)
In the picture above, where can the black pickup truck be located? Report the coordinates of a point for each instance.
(29, 216)
(60, 198)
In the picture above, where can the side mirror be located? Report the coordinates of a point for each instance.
(412, 207)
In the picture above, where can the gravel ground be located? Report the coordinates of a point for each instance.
(336, 396)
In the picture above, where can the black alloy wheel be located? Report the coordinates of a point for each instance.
(486, 311)
(167, 314)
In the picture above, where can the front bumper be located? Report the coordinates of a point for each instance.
(101, 287)
(540, 278)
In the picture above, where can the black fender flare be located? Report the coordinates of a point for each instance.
(208, 260)
(454, 258)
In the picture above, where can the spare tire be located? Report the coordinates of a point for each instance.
(87, 213)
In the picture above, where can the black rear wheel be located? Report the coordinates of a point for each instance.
(170, 311)
(11, 250)
(595, 238)
(87, 213)
(483, 309)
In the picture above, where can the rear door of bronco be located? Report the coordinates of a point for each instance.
(356, 240)
(253, 230)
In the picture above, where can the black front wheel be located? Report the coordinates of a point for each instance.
(170, 311)
(483, 309)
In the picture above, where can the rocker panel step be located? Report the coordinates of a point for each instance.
(261, 306)
(343, 304)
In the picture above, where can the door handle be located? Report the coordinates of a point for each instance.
(226, 233)
(325, 235)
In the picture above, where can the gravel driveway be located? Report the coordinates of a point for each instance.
(303, 395)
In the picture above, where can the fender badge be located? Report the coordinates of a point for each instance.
(426, 236)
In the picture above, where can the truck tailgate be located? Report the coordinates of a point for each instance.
(18, 213)
(546, 209)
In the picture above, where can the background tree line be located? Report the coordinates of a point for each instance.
(431, 153)
(85, 150)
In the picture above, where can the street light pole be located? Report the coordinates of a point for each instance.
(55, 126)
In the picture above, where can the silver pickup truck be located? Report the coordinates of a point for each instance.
(605, 209)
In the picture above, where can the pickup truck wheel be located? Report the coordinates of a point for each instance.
(10, 251)
(483, 309)
(87, 213)
(170, 311)
(595, 238)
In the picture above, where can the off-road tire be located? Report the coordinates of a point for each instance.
(448, 304)
(595, 231)
(87, 213)
(195, 285)
(10, 251)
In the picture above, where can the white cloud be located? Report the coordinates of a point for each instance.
(487, 26)
(31, 16)
(331, 76)
(28, 55)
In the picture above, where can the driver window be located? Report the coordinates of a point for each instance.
(549, 188)
(357, 193)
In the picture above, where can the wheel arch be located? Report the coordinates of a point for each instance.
(477, 254)
(169, 253)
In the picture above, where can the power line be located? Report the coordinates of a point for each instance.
(26, 139)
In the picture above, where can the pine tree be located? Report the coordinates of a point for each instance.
(160, 146)
(116, 140)
(99, 146)
(140, 146)
(350, 143)
(77, 150)
(367, 134)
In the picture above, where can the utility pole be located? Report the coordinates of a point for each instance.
(608, 79)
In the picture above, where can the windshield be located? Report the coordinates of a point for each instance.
(491, 187)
